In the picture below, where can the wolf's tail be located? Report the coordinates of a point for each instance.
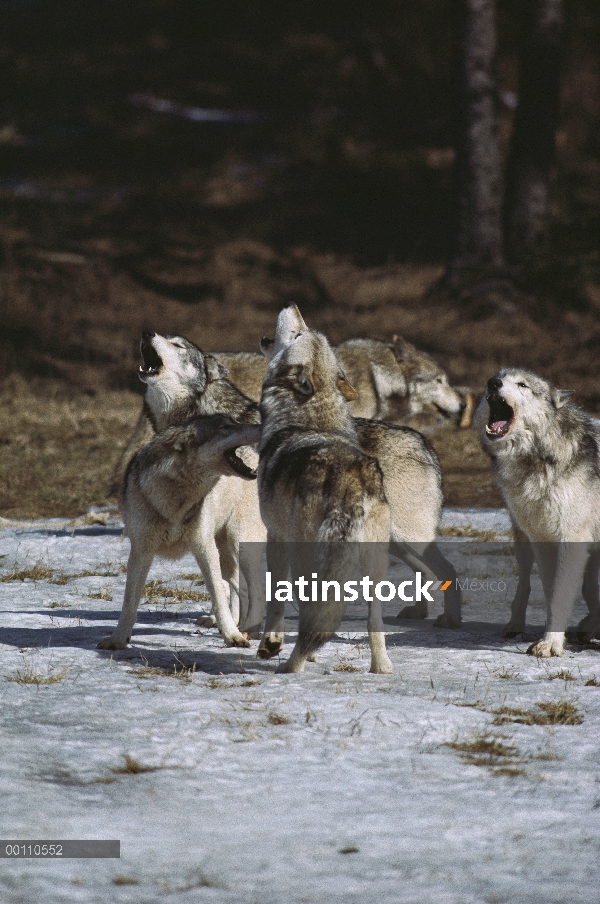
(337, 548)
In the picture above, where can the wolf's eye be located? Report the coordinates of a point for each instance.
(178, 344)
(523, 385)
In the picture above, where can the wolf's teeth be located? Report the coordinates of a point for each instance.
(487, 429)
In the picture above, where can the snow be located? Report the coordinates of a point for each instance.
(333, 785)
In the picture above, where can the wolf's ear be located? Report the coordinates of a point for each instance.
(267, 347)
(402, 348)
(214, 369)
(560, 397)
(346, 388)
(300, 380)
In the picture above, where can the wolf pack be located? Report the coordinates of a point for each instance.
(305, 444)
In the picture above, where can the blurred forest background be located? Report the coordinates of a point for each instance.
(326, 180)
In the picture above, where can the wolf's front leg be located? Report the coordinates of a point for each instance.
(251, 570)
(278, 563)
(207, 556)
(381, 663)
(518, 609)
(570, 561)
(138, 566)
(588, 626)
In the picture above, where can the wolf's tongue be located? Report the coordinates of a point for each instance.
(499, 427)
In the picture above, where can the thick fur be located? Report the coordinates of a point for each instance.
(545, 457)
(187, 384)
(183, 383)
(184, 493)
(412, 479)
(398, 383)
(395, 382)
(316, 485)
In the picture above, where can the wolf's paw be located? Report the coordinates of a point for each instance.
(413, 612)
(547, 647)
(587, 628)
(114, 642)
(271, 645)
(382, 666)
(513, 628)
(206, 621)
(236, 640)
(312, 657)
(446, 621)
(250, 634)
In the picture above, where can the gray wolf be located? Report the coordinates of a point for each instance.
(398, 383)
(182, 382)
(545, 457)
(316, 485)
(412, 480)
(183, 493)
(395, 382)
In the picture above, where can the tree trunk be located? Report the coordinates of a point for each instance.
(532, 146)
(478, 247)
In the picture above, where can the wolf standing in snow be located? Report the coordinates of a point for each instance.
(316, 485)
(545, 456)
(182, 383)
(183, 494)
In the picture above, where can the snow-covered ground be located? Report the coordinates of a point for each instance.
(225, 782)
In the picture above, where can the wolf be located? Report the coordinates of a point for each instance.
(183, 494)
(315, 484)
(398, 383)
(545, 457)
(180, 382)
(412, 479)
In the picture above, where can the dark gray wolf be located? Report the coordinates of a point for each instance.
(316, 485)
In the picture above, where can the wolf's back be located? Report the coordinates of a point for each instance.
(352, 493)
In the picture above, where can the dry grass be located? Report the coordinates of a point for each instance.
(36, 572)
(592, 682)
(125, 880)
(561, 712)
(278, 719)
(562, 675)
(59, 447)
(179, 670)
(485, 536)
(134, 767)
(30, 676)
(346, 665)
(39, 572)
(160, 591)
(104, 594)
(506, 674)
(490, 751)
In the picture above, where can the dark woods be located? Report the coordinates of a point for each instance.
(497, 231)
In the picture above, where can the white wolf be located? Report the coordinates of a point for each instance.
(545, 456)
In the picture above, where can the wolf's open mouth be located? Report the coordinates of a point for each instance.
(152, 360)
(239, 465)
(501, 415)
